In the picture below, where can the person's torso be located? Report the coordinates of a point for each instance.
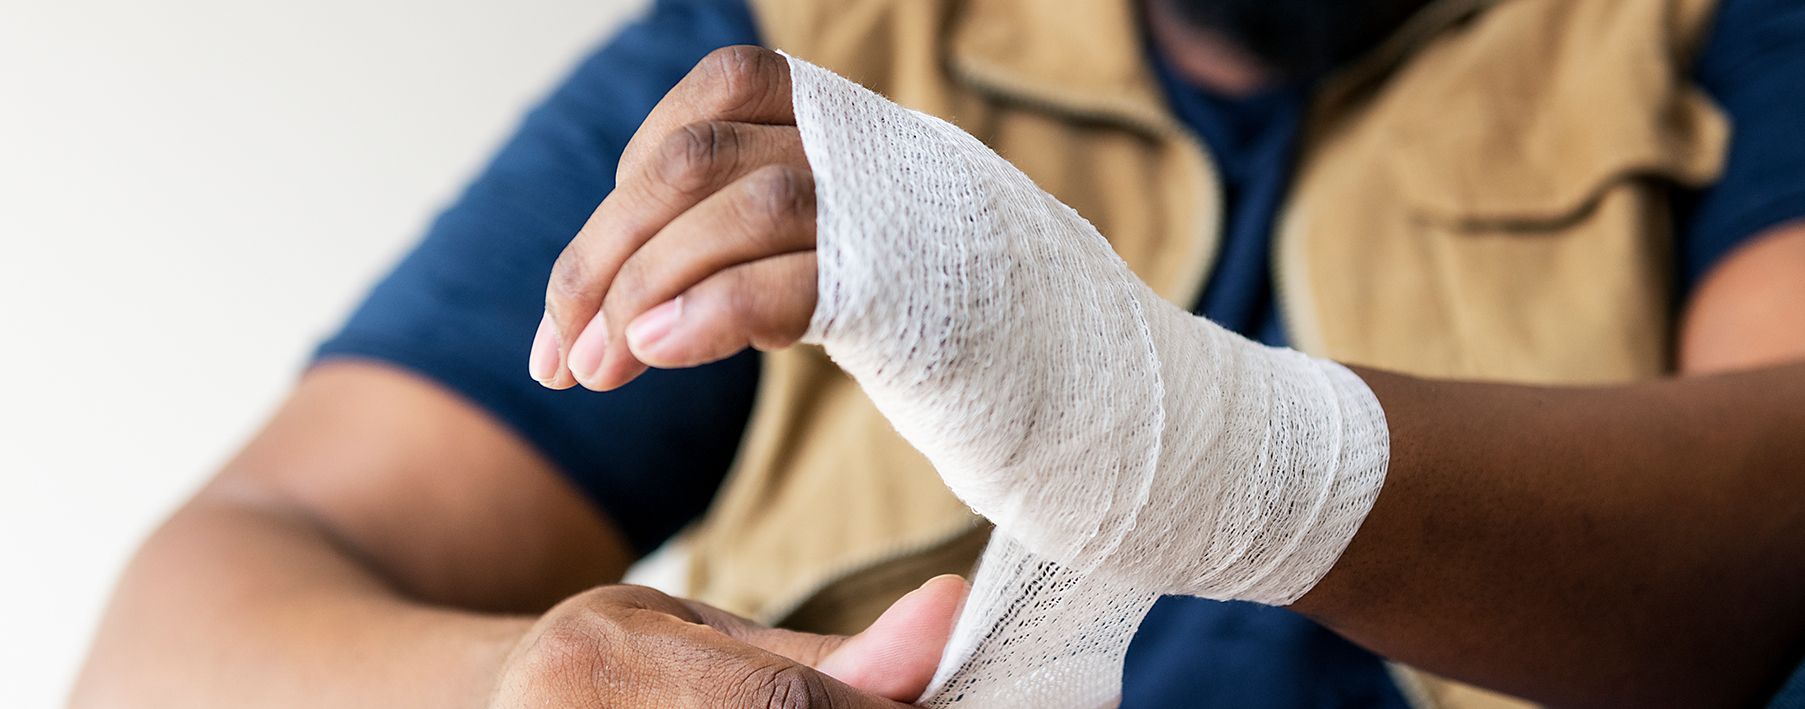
(1460, 207)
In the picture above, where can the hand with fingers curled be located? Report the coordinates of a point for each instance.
(705, 247)
(634, 646)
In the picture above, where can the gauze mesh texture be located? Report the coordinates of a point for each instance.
(1123, 447)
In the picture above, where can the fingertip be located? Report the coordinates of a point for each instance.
(934, 607)
(542, 362)
(589, 351)
(618, 368)
(951, 583)
(896, 656)
(561, 380)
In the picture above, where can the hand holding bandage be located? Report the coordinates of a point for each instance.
(1123, 447)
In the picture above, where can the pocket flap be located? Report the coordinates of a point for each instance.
(1517, 124)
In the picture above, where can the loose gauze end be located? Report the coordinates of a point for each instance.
(1123, 447)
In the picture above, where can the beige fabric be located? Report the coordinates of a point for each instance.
(1496, 209)
(1483, 198)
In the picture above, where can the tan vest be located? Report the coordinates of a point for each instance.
(1485, 196)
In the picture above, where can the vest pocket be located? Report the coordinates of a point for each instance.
(1554, 263)
(1552, 172)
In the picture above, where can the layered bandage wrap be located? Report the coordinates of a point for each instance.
(1123, 447)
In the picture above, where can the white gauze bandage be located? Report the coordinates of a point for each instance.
(1123, 447)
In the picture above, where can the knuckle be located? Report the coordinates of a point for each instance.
(570, 280)
(693, 155)
(777, 194)
(575, 638)
(630, 284)
(784, 687)
(567, 648)
(784, 305)
(740, 77)
(742, 301)
(632, 596)
(759, 317)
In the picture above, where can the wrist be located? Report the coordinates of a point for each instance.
(1337, 461)
(1269, 460)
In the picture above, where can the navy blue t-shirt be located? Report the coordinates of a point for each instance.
(461, 308)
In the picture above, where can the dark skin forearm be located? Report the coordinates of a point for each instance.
(1641, 543)
(382, 543)
(1629, 545)
(375, 545)
(238, 603)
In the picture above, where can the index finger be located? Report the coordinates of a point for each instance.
(740, 84)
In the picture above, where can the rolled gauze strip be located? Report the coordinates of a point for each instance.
(1123, 447)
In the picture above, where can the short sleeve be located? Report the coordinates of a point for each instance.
(1753, 64)
(461, 308)
(1791, 694)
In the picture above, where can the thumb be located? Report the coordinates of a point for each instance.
(896, 657)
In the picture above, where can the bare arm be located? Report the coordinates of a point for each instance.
(382, 543)
(1640, 544)
(322, 567)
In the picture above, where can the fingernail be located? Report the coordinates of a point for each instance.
(653, 325)
(943, 578)
(586, 353)
(543, 362)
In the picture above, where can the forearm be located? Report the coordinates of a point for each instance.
(235, 604)
(1584, 545)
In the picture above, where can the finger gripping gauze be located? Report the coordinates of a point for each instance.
(1123, 447)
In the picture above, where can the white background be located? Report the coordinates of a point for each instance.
(192, 192)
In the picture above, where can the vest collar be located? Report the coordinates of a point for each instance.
(1087, 59)
(1083, 58)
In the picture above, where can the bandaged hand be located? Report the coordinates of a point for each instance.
(1096, 424)
(1123, 447)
